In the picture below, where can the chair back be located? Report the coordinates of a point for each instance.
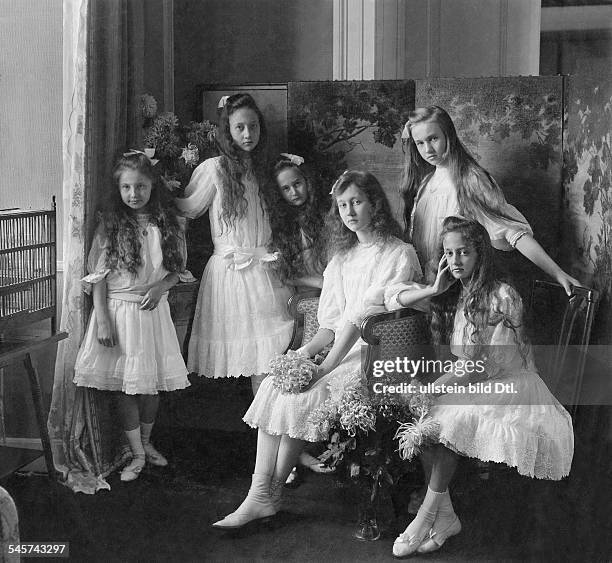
(561, 329)
(397, 334)
(303, 308)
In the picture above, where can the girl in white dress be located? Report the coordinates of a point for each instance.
(522, 424)
(367, 255)
(241, 319)
(131, 345)
(442, 179)
(297, 218)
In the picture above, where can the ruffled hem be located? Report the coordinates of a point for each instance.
(106, 382)
(543, 453)
(239, 358)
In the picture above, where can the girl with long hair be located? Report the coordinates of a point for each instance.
(441, 178)
(131, 346)
(367, 255)
(297, 219)
(241, 319)
(515, 419)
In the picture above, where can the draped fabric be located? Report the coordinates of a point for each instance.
(102, 78)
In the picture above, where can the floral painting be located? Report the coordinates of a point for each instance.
(587, 185)
(339, 125)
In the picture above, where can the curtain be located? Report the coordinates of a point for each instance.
(102, 79)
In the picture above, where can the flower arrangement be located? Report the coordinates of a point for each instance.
(179, 148)
(362, 432)
(292, 372)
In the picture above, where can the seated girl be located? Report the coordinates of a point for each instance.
(297, 219)
(480, 317)
(367, 254)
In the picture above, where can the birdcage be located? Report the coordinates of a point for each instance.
(27, 267)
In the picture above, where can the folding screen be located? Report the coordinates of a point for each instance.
(340, 125)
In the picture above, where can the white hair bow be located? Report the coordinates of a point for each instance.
(406, 131)
(337, 182)
(147, 152)
(294, 158)
(222, 102)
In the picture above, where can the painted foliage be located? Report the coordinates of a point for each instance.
(587, 184)
(513, 127)
(340, 125)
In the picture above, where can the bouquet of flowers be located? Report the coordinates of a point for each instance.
(362, 432)
(292, 372)
(179, 148)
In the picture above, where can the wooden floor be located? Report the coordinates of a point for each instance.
(166, 514)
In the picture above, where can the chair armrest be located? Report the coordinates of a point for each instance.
(303, 307)
(400, 333)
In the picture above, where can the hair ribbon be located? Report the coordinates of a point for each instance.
(147, 152)
(337, 182)
(222, 102)
(406, 131)
(293, 158)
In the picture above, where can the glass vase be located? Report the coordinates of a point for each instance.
(367, 523)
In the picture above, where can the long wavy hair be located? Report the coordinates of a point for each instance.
(468, 176)
(288, 222)
(236, 163)
(482, 289)
(120, 223)
(384, 225)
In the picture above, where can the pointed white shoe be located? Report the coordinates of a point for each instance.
(436, 539)
(406, 544)
(257, 505)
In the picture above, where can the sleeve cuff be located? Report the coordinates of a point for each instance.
(88, 281)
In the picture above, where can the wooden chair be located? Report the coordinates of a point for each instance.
(561, 329)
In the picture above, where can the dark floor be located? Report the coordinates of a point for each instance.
(166, 514)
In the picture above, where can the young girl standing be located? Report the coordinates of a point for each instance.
(442, 179)
(368, 255)
(131, 345)
(297, 221)
(480, 317)
(241, 319)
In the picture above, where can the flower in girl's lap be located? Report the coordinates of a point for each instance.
(292, 372)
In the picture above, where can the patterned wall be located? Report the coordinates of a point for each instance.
(587, 186)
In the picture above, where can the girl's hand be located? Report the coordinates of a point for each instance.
(316, 376)
(443, 278)
(567, 282)
(106, 336)
(151, 298)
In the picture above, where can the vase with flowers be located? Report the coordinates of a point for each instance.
(363, 429)
(179, 149)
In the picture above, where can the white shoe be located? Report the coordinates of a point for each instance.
(257, 505)
(439, 533)
(406, 544)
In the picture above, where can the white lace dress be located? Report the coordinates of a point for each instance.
(518, 421)
(348, 280)
(434, 203)
(146, 357)
(241, 319)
